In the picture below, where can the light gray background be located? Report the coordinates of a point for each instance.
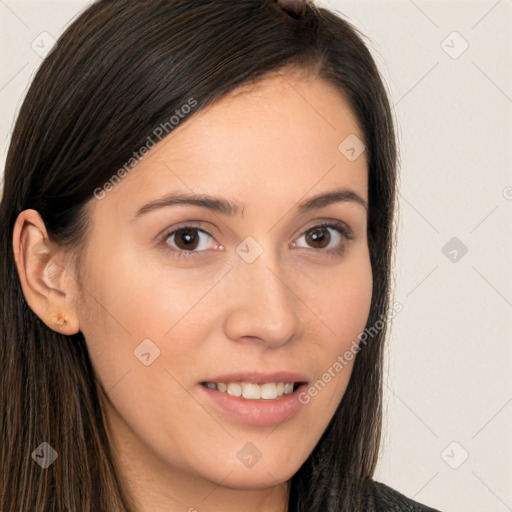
(448, 383)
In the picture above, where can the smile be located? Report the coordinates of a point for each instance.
(252, 390)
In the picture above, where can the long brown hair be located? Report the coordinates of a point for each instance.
(122, 68)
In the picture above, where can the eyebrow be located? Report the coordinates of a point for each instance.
(230, 208)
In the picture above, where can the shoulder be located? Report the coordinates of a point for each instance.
(387, 499)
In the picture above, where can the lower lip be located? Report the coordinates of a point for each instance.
(261, 413)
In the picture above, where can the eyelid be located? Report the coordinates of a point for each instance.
(197, 225)
(330, 223)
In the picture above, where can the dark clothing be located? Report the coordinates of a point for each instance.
(388, 500)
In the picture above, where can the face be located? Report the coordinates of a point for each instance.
(185, 306)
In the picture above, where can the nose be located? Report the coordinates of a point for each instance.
(263, 306)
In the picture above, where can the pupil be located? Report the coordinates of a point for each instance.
(188, 235)
(318, 234)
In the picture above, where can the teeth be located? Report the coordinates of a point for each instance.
(253, 391)
(269, 391)
(234, 389)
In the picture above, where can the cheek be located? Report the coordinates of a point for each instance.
(119, 309)
(351, 303)
(341, 298)
(127, 302)
(343, 305)
(131, 304)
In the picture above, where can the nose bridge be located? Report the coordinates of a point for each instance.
(263, 304)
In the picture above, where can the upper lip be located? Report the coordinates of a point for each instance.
(259, 377)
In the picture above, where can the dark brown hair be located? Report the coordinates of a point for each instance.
(121, 69)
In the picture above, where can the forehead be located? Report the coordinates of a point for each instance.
(275, 140)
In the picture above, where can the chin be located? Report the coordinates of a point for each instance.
(247, 479)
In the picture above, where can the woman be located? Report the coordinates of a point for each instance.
(196, 231)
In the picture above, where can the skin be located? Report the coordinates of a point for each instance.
(294, 308)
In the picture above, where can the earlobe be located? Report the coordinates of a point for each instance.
(45, 281)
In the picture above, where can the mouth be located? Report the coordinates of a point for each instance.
(255, 399)
(255, 390)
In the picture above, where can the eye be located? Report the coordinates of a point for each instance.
(319, 237)
(186, 241)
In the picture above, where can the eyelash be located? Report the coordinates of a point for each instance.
(338, 226)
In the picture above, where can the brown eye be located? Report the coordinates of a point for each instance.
(318, 237)
(187, 240)
(333, 234)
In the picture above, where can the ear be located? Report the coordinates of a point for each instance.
(46, 274)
